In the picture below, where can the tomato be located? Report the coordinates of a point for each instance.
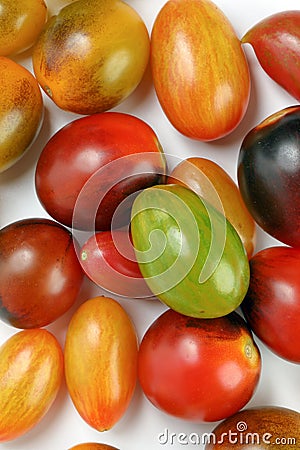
(269, 174)
(109, 260)
(21, 23)
(92, 55)
(31, 373)
(272, 304)
(200, 71)
(93, 446)
(21, 111)
(210, 181)
(40, 275)
(189, 254)
(258, 428)
(198, 369)
(93, 164)
(272, 37)
(101, 361)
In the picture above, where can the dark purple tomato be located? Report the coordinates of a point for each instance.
(269, 175)
(272, 304)
(40, 275)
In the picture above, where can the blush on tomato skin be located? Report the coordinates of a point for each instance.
(198, 369)
(272, 304)
(93, 446)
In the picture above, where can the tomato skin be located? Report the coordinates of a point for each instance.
(200, 71)
(105, 158)
(101, 361)
(93, 446)
(273, 300)
(40, 275)
(198, 369)
(272, 37)
(210, 180)
(31, 373)
(269, 174)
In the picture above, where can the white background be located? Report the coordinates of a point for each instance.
(279, 384)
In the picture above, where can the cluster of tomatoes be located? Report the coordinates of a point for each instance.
(119, 216)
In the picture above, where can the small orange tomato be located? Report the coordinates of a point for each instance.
(212, 183)
(199, 68)
(101, 361)
(93, 446)
(21, 111)
(31, 372)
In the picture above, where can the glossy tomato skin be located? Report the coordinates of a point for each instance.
(91, 55)
(31, 374)
(108, 259)
(272, 37)
(272, 304)
(211, 182)
(201, 370)
(40, 275)
(101, 361)
(199, 68)
(90, 166)
(93, 446)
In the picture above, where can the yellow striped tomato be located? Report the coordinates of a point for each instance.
(93, 446)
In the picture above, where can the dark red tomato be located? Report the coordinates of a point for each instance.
(93, 164)
(108, 259)
(199, 369)
(40, 275)
(272, 304)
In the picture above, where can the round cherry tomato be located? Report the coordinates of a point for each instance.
(31, 373)
(21, 111)
(92, 55)
(93, 446)
(198, 369)
(21, 22)
(40, 275)
(272, 304)
(101, 361)
(93, 164)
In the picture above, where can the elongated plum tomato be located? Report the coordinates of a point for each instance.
(200, 71)
(101, 361)
(93, 164)
(198, 369)
(93, 446)
(211, 182)
(276, 43)
(31, 373)
(269, 174)
(272, 304)
(21, 111)
(40, 275)
(21, 23)
(91, 55)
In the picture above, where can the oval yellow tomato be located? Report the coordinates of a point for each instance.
(21, 111)
(101, 361)
(211, 182)
(92, 55)
(31, 373)
(200, 71)
(21, 22)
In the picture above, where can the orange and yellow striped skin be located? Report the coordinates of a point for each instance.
(199, 68)
(93, 446)
(31, 373)
(101, 361)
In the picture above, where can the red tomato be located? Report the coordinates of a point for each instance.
(90, 166)
(272, 304)
(40, 275)
(199, 369)
(109, 260)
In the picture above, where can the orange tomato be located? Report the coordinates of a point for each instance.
(92, 55)
(211, 182)
(31, 372)
(21, 111)
(93, 446)
(200, 71)
(101, 361)
(21, 22)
